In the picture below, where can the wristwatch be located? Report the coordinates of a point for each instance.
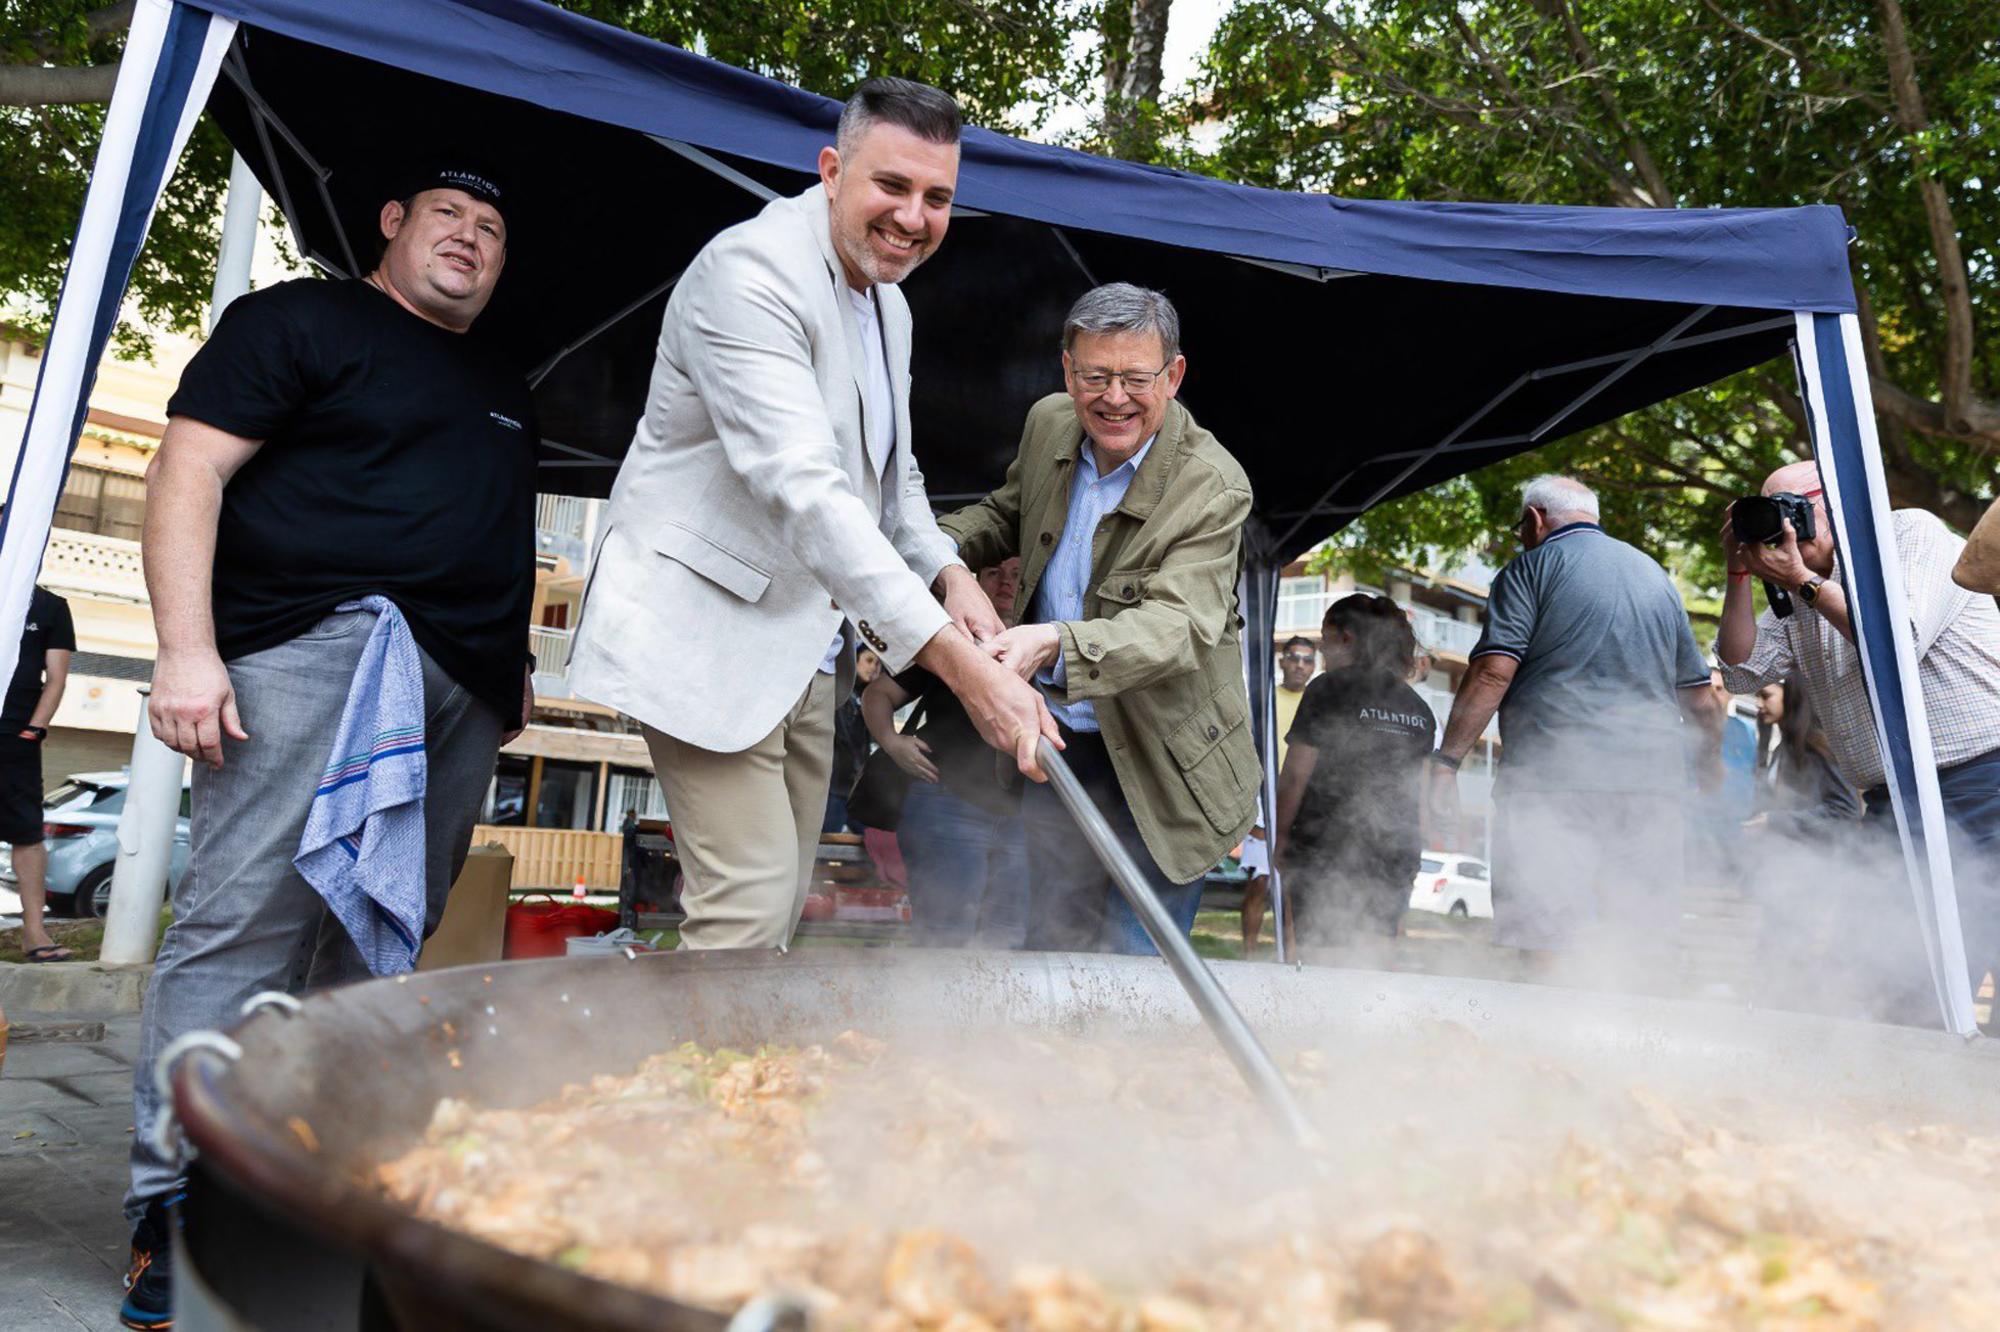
(1444, 760)
(36, 733)
(1809, 590)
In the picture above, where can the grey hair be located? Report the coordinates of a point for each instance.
(1120, 307)
(924, 111)
(1560, 497)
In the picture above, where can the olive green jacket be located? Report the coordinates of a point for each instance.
(1158, 652)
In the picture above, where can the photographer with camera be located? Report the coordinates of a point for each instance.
(1785, 538)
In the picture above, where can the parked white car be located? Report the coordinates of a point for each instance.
(1452, 885)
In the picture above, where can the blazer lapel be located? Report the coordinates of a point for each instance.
(895, 312)
(813, 202)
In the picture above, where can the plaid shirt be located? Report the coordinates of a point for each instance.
(1958, 659)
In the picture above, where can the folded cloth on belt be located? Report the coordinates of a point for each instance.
(363, 848)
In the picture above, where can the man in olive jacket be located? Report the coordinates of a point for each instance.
(1128, 518)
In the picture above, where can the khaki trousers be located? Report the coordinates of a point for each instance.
(746, 825)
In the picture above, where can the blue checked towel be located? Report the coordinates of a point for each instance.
(363, 848)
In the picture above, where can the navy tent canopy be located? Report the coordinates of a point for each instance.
(1347, 351)
(1363, 334)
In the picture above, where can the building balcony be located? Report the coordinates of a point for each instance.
(551, 648)
(1442, 633)
(106, 568)
(564, 525)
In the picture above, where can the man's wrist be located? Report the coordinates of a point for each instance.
(35, 733)
(1449, 762)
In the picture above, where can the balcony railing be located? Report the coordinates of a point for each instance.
(551, 649)
(563, 527)
(1441, 633)
(101, 566)
(561, 515)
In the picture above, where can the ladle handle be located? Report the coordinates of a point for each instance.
(1238, 1041)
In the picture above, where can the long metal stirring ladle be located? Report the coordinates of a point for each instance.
(1238, 1041)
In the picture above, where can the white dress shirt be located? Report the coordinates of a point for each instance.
(878, 409)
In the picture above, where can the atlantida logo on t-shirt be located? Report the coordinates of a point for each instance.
(1411, 719)
(507, 421)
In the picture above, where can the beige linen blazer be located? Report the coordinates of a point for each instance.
(751, 519)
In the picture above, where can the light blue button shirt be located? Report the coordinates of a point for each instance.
(1059, 595)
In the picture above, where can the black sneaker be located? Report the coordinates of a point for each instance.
(149, 1284)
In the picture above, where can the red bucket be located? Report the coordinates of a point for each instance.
(539, 929)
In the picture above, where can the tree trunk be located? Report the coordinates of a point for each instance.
(1135, 41)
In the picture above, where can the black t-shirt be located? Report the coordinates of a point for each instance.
(968, 765)
(1362, 805)
(49, 627)
(398, 458)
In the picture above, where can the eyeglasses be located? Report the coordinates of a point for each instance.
(1135, 381)
(1297, 658)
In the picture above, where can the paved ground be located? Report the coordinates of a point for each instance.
(65, 1125)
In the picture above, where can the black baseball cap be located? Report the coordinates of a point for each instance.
(454, 172)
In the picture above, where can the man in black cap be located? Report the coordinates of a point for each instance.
(341, 455)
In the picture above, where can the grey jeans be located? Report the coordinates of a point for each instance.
(244, 919)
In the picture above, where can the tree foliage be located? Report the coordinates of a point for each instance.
(45, 170)
(1648, 103)
(1010, 62)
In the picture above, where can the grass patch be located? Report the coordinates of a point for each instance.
(85, 938)
(1219, 935)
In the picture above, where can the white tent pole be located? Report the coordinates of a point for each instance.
(239, 237)
(153, 782)
(1936, 899)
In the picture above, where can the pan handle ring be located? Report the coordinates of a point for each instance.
(166, 1136)
(263, 999)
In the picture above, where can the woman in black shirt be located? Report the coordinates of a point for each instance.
(1350, 826)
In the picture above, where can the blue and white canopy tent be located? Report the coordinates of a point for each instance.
(1453, 334)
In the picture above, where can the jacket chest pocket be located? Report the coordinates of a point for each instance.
(1200, 749)
(1124, 588)
(727, 570)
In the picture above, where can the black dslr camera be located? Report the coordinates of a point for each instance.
(1759, 520)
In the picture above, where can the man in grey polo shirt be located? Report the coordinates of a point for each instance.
(1589, 659)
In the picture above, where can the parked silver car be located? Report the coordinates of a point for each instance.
(80, 829)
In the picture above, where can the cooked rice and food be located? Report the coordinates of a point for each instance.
(1048, 1183)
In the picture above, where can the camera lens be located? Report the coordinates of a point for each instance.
(1757, 520)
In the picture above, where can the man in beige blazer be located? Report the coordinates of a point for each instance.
(768, 515)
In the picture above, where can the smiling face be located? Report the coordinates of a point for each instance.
(888, 201)
(444, 254)
(1117, 420)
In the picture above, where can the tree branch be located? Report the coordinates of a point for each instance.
(1624, 188)
(52, 85)
(1806, 69)
(1955, 377)
(1586, 56)
(1981, 424)
(47, 46)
